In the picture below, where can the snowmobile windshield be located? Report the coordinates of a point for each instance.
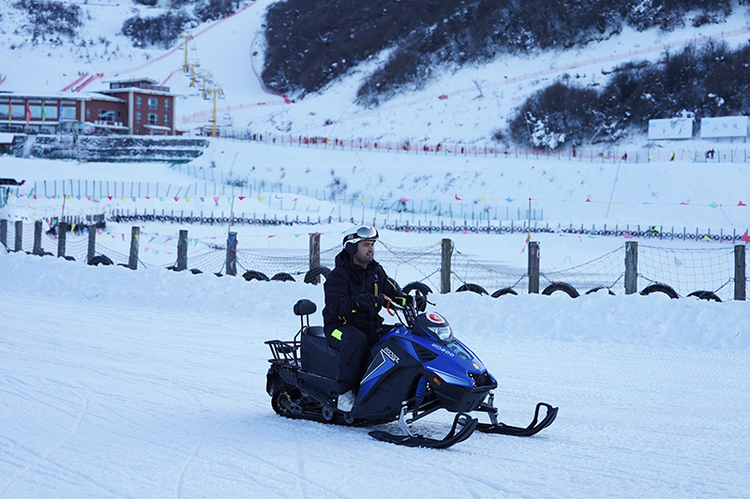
(434, 325)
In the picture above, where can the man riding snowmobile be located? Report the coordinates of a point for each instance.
(353, 300)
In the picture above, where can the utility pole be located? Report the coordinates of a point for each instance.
(187, 37)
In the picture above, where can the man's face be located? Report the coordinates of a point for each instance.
(365, 253)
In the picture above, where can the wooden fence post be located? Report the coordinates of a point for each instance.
(91, 249)
(182, 247)
(534, 267)
(19, 236)
(631, 267)
(62, 227)
(314, 248)
(445, 266)
(38, 238)
(739, 272)
(232, 253)
(135, 235)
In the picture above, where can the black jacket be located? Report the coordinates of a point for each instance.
(349, 281)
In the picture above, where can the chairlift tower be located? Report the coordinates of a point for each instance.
(216, 91)
(187, 37)
(193, 73)
(205, 75)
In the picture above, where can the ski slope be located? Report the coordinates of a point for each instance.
(152, 384)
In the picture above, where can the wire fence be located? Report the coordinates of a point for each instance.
(721, 153)
(717, 273)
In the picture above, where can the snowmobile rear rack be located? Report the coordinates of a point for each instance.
(285, 353)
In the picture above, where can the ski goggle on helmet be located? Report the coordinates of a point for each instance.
(363, 233)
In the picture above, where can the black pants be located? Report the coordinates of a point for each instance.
(352, 345)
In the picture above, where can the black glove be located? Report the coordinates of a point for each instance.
(366, 302)
(382, 300)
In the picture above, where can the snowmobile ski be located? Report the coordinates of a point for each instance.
(535, 427)
(468, 425)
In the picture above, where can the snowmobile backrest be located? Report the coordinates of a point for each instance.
(305, 307)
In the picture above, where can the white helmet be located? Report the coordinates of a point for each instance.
(363, 233)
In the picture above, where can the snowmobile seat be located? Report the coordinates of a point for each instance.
(317, 355)
(316, 331)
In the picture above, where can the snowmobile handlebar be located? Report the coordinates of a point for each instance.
(407, 309)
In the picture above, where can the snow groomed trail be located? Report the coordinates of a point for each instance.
(152, 384)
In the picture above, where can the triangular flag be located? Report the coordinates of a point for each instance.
(706, 238)
(588, 200)
(741, 203)
(713, 205)
(509, 199)
(744, 237)
(677, 262)
(176, 199)
(458, 198)
(628, 236)
(684, 203)
(243, 197)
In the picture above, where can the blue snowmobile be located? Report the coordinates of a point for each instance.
(417, 368)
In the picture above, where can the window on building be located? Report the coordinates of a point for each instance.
(153, 119)
(137, 116)
(88, 113)
(166, 104)
(137, 101)
(104, 115)
(153, 103)
(69, 113)
(166, 120)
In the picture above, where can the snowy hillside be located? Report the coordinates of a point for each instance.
(467, 106)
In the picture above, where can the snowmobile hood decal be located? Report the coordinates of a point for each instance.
(450, 378)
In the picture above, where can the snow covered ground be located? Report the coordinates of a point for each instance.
(151, 383)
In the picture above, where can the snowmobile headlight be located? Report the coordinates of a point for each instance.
(442, 333)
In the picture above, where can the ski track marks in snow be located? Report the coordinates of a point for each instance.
(105, 393)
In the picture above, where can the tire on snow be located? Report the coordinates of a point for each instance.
(561, 286)
(476, 288)
(706, 295)
(660, 288)
(503, 292)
